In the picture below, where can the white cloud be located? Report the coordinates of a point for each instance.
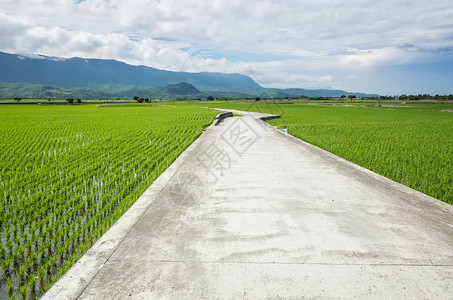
(271, 25)
(317, 38)
(375, 57)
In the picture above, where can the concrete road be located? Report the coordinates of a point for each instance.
(249, 212)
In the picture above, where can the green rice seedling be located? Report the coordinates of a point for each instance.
(7, 235)
(14, 260)
(23, 292)
(6, 266)
(21, 274)
(9, 283)
(2, 252)
(32, 286)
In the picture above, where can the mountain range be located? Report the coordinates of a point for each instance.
(39, 76)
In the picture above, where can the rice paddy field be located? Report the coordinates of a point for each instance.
(67, 173)
(410, 144)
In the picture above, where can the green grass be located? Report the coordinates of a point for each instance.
(67, 173)
(411, 145)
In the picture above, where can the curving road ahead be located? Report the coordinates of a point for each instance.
(248, 212)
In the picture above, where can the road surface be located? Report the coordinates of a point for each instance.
(249, 212)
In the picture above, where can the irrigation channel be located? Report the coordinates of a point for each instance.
(249, 212)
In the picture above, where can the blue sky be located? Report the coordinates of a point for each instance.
(387, 47)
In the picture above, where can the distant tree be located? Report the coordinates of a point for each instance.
(140, 100)
(136, 98)
(70, 100)
(350, 97)
(147, 100)
(257, 99)
(210, 98)
(79, 101)
(343, 96)
(17, 99)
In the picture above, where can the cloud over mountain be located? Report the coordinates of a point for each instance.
(277, 43)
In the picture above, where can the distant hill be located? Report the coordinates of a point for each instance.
(92, 73)
(39, 91)
(181, 88)
(283, 93)
(310, 93)
(171, 91)
(39, 76)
